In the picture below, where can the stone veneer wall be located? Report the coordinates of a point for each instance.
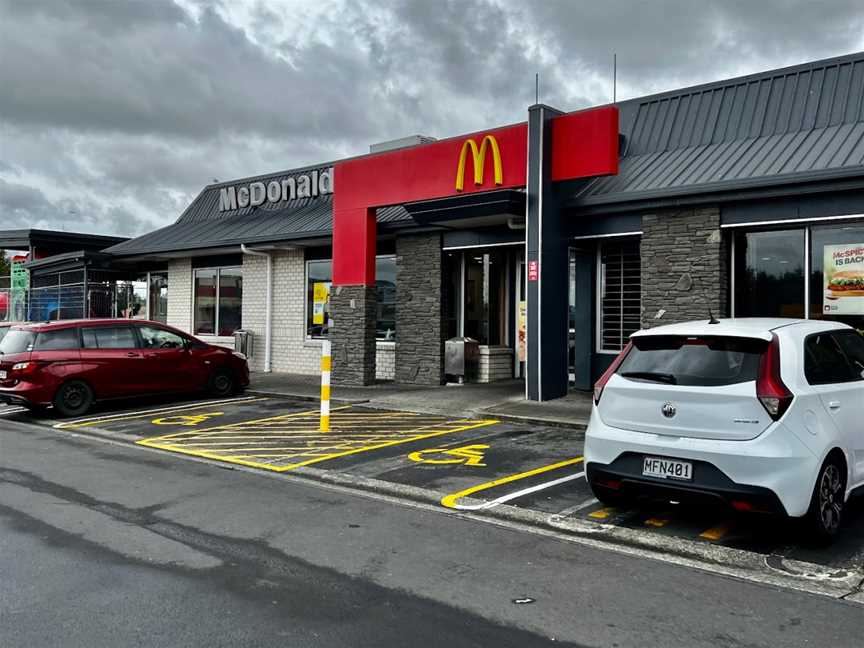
(419, 322)
(353, 311)
(684, 266)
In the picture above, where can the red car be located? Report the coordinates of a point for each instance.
(71, 364)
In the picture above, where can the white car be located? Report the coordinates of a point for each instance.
(764, 414)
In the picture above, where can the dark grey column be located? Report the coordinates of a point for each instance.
(684, 266)
(419, 324)
(546, 246)
(353, 311)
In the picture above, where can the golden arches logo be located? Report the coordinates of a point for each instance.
(478, 156)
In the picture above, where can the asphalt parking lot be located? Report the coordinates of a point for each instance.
(469, 464)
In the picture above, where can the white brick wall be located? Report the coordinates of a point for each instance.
(180, 294)
(292, 352)
(385, 361)
(496, 363)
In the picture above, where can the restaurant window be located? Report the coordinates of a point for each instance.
(131, 298)
(769, 273)
(452, 297)
(777, 272)
(158, 297)
(485, 319)
(837, 273)
(144, 298)
(218, 301)
(476, 296)
(619, 281)
(319, 280)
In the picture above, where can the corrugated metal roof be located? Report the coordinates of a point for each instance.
(305, 218)
(202, 224)
(790, 125)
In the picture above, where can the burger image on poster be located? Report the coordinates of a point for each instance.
(844, 279)
(847, 283)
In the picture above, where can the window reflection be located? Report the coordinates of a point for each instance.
(834, 243)
(769, 274)
(319, 277)
(483, 295)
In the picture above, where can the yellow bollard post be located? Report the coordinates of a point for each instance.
(326, 364)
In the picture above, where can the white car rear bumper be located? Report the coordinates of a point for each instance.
(776, 460)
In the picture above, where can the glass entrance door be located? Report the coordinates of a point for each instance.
(521, 319)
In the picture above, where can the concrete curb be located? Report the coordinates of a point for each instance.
(307, 397)
(549, 422)
(483, 413)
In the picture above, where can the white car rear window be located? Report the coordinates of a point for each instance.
(682, 360)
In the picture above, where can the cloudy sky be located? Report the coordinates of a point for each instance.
(115, 113)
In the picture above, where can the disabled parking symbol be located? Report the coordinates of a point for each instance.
(471, 455)
(188, 420)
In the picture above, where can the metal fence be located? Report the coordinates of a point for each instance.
(62, 302)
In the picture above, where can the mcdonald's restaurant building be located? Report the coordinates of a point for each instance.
(547, 241)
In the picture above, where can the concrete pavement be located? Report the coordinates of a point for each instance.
(503, 400)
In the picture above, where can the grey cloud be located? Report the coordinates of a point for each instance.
(168, 75)
(663, 44)
(22, 207)
(115, 113)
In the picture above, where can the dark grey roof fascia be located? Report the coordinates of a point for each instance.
(66, 260)
(312, 221)
(11, 238)
(716, 196)
(784, 181)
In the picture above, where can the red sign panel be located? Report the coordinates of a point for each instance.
(583, 144)
(533, 270)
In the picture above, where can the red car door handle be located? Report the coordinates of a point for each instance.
(133, 355)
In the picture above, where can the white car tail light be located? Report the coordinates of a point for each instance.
(601, 382)
(770, 389)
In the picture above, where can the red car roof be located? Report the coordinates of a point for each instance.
(64, 324)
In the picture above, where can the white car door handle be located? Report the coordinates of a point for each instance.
(834, 404)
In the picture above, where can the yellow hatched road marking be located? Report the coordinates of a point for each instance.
(717, 532)
(251, 443)
(657, 522)
(602, 514)
(234, 426)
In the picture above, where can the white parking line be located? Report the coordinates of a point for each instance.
(11, 410)
(162, 410)
(525, 491)
(578, 507)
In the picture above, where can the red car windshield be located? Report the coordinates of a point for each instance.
(17, 341)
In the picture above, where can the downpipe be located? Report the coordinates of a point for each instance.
(268, 308)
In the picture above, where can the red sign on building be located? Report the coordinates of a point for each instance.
(533, 270)
(584, 144)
